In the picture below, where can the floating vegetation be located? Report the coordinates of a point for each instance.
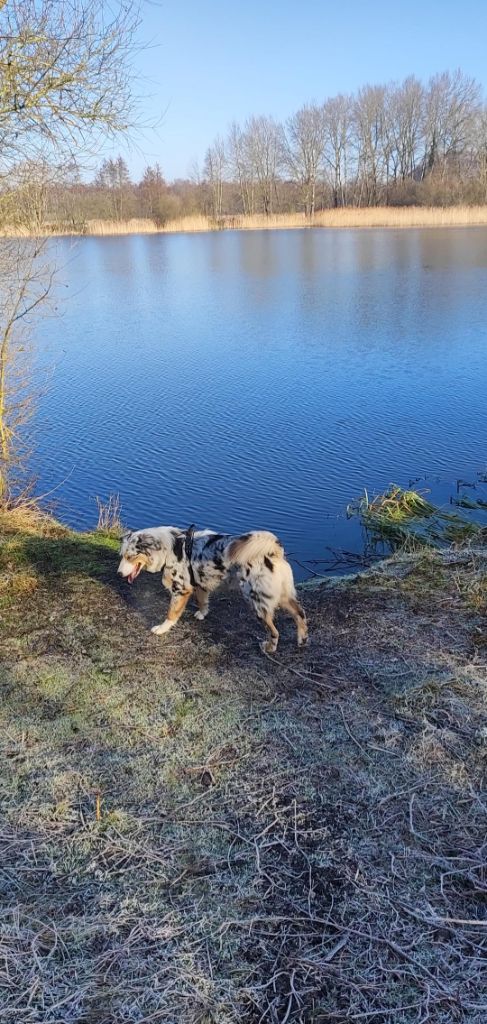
(405, 518)
(464, 501)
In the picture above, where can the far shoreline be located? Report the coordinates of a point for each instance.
(340, 219)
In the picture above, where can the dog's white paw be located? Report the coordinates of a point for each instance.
(200, 615)
(268, 647)
(163, 628)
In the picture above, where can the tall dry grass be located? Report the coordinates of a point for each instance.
(349, 217)
(133, 226)
(403, 217)
(386, 216)
(146, 226)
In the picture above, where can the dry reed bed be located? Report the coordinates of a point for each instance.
(370, 217)
(194, 833)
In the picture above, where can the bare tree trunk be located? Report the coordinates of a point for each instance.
(25, 285)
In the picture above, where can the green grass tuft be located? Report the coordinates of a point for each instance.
(405, 519)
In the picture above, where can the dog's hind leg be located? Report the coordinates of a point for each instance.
(203, 601)
(176, 608)
(297, 611)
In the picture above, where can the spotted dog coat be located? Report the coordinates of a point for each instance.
(197, 562)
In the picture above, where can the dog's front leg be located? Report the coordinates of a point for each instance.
(176, 608)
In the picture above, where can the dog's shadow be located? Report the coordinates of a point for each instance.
(230, 625)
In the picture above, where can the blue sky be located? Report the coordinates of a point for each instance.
(207, 63)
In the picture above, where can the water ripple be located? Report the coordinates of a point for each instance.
(243, 380)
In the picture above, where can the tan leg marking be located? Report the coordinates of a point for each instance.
(202, 600)
(177, 606)
(270, 645)
(297, 611)
(174, 612)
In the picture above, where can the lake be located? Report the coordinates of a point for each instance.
(263, 379)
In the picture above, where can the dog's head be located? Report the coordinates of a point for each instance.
(140, 550)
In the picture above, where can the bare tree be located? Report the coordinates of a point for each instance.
(481, 152)
(152, 189)
(241, 166)
(114, 177)
(64, 85)
(451, 107)
(265, 148)
(404, 125)
(304, 152)
(65, 73)
(213, 171)
(63, 199)
(25, 282)
(369, 120)
(338, 115)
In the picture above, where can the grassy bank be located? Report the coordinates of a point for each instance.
(193, 832)
(370, 217)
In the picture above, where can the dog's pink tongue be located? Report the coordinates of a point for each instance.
(133, 574)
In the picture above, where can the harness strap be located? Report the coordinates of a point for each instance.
(188, 550)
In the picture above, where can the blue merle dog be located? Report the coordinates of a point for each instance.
(196, 562)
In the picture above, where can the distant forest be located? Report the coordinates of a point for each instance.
(398, 145)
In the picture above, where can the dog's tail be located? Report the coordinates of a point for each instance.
(254, 547)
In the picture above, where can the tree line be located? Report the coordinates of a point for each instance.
(387, 144)
(399, 144)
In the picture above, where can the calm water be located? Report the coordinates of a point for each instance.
(263, 379)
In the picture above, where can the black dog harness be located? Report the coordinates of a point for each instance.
(188, 551)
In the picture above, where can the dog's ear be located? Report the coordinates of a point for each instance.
(147, 542)
(126, 534)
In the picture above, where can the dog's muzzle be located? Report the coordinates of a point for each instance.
(129, 570)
